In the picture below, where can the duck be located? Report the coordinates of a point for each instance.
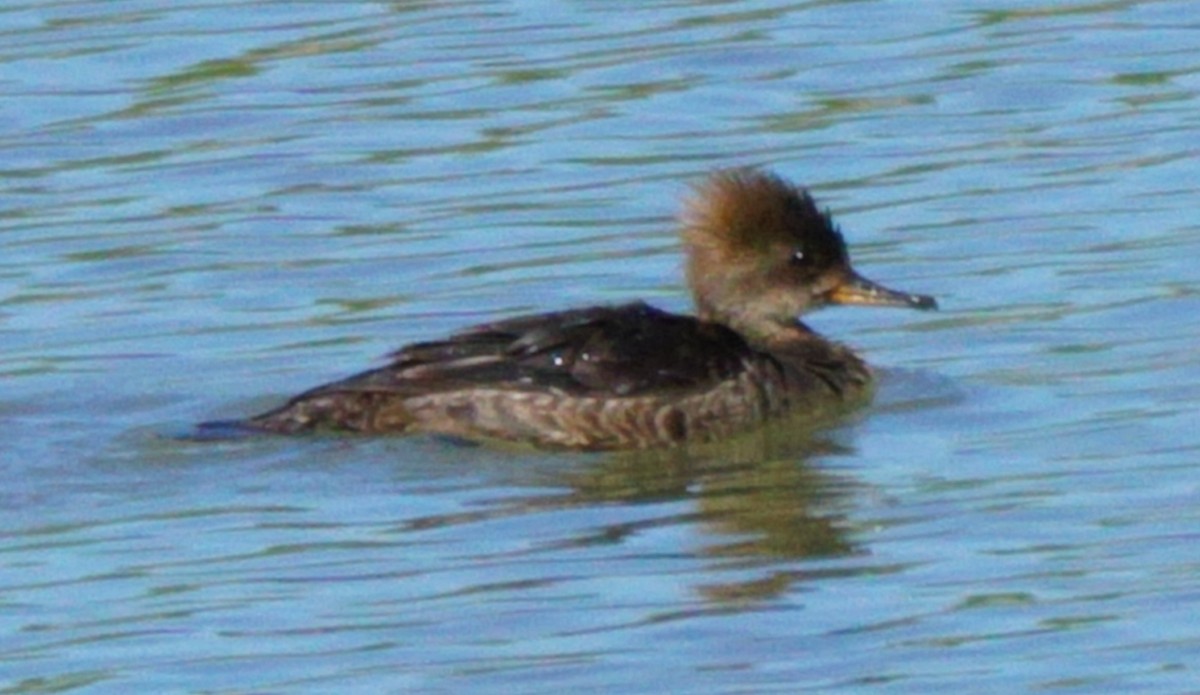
(759, 255)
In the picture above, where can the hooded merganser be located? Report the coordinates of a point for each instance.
(759, 254)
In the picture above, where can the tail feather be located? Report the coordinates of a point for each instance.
(349, 411)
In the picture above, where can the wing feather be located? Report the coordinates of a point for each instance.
(622, 350)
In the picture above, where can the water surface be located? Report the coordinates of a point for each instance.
(209, 206)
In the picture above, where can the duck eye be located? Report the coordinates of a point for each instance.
(798, 257)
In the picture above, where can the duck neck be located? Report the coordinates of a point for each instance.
(762, 332)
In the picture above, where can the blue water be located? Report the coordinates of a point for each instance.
(207, 207)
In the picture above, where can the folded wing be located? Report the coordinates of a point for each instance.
(612, 351)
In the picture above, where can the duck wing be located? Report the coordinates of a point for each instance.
(618, 351)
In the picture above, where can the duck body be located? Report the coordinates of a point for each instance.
(759, 255)
(620, 377)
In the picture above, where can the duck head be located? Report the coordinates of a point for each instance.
(760, 254)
